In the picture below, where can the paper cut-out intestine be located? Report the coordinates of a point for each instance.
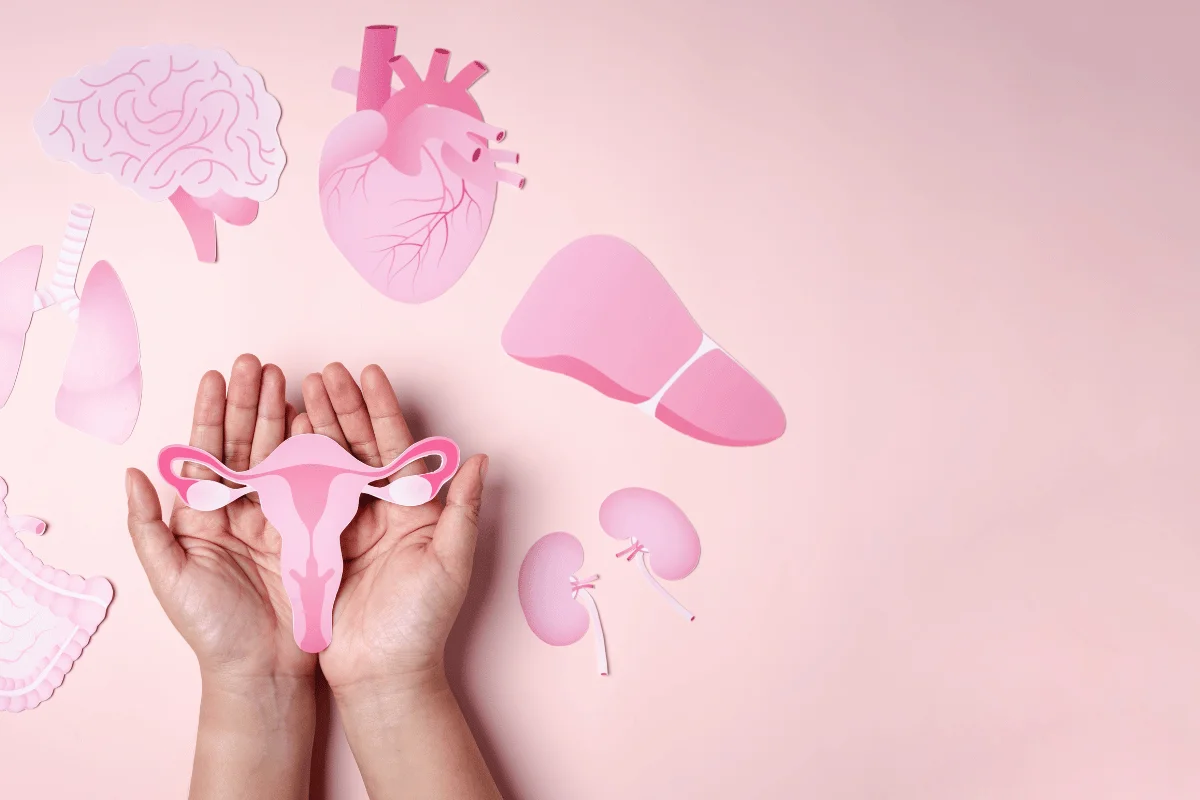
(47, 616)
(601, 313)
(408, 182)
(172, 122)
(101, 389)
(656, 529)
(551, 594)
(309, 488)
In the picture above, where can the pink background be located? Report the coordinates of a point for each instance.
(957, 240)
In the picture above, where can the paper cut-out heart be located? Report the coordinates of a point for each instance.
(309, 488)
(601, 313)
(408, 183)
(657, 530)
(47, 616)
(548, 590)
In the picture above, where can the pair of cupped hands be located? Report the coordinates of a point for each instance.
(217, 573)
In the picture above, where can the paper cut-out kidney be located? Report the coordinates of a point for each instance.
(408, 182)
(47, 616)
(309, 489)
(601, 313)
(172, 122)
(656, 529)
(101, 390)
(549, 591)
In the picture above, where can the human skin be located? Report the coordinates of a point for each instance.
(216, 575)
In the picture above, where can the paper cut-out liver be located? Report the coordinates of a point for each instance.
(601, 313)
(548, 590)
(47, 616)
(101, 391)
(408, 182)
(656, 529)
(172, 122)
(309, 488)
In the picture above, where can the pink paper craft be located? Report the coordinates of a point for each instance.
(656, 529)
(101, 391)
(601, 313)
(172, 122)
(47, 616)
(548, 590)
(408, 182)
(18, 277)
(309, 488)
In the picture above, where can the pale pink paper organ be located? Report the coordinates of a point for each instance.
(408, 182)
(556, 603)
(172, 122)
(309, 488)
(47, 616)
(18, 277)
(101, 391)
(658, 532)
(601, 313)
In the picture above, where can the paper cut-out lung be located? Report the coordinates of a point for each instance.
(172, 122)
(101, 391)
(47, 616)
(656, 529)
(408, 182)
(309, 489)
(548, 590)
(601, 313)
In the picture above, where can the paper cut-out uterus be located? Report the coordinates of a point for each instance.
(309, 488)
(101, 389)
(47, 616)
(408, 182)
(172, 122)
(656, 529)
(601, 313)
(549, 590)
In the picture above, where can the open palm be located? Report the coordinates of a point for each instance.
(216, 573)
(406, 568)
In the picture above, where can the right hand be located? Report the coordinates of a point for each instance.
(216, 573)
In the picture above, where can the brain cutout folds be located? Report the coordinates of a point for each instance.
(172, 122)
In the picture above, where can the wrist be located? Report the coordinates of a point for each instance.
(380, 701)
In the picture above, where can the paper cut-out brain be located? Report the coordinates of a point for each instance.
(309, 488)
(174, 123)
(408, 182)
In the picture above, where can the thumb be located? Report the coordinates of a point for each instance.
(161, 556)
(458, 528)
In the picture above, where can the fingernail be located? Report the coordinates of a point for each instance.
(483, 468)
(128, 482)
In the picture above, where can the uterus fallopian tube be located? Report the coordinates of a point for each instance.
(309, 488)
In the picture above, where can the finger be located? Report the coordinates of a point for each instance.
(290, 419)
(351, 410)
(161, 556)
(301, 424)
(320, 411)
(391, 431)
(208, 424)
(271, 426)
(241, 411)
(457, 529)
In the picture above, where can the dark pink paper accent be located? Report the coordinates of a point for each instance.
(408, 183)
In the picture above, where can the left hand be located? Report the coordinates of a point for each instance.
(406, 568)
